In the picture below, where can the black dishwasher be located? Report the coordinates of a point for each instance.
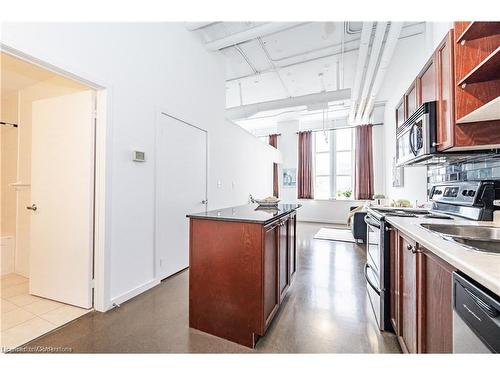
(476, 317)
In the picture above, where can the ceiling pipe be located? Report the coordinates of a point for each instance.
(192, 26)
(245, 111)
(390, 46)
(372, 64)
(249, 34)
(366, 34)
(349, 31)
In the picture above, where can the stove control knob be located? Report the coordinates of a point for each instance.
(465, 193)
(471, 193)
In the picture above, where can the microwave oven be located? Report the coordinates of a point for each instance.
(416, 138)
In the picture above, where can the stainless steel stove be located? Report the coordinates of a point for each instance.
(473, 200)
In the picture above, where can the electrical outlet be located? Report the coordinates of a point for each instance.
(219, 184)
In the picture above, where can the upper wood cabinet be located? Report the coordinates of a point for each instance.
(400, 113)
(411, 100)
(443, 58)
(426, 82)
(462, 75)
(477, 84)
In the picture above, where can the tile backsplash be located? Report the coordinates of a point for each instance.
(473, 168)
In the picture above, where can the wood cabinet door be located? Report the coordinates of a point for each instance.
(400, 113)
(445, 93)
(284, 263)
(435, 306)
(270, 274)
(411, 100)
(427, 83)
(408, 294)
(292, 245)
(394, 270)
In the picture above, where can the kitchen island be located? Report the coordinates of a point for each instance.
(242, 261)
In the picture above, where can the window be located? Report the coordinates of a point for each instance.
(333, 164)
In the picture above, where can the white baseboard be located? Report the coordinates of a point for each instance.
(134, 292)
(321, 221)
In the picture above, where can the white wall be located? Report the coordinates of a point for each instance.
(242, 163)
(408, 59)
(145, 68)
(8, 165)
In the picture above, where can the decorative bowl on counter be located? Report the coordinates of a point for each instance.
(267, 202)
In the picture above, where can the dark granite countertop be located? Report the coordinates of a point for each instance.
(251, 213)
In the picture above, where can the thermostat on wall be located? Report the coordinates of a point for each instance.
(139, 156)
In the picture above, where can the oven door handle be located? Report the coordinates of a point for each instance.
(370, 222)
(377, 290)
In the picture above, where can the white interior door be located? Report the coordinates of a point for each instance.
(181, 188)
(62, 185)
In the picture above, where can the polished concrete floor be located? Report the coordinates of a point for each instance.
(326, 311)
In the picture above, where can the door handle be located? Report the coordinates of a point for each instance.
(204, 201)
(33, 207)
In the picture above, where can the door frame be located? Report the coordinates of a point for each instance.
(102, 171)
(159, 113)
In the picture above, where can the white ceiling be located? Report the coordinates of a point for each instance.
(300, 59)
(17, 75)
(297, 61)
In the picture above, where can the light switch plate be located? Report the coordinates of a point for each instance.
(139, 156)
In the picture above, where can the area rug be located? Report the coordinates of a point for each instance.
(333, 234)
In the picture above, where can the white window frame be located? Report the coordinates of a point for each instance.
(333, 166)
(329, 151)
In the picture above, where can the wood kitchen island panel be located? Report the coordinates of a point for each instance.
(238, 270)
(225, 277)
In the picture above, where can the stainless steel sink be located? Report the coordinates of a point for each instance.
(470, 231)
(480, 238)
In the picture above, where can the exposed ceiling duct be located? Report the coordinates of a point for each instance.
(366, 34)
(372, 65)
(249, 34)
(390, 46)
(245, 111)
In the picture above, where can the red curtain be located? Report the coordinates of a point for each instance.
(273, 141)
(363, 173)
(305, 170)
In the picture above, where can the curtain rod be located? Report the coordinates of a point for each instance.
(339, 128)
(8, 123)
(266, 135)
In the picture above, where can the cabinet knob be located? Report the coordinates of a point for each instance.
(409, 247)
